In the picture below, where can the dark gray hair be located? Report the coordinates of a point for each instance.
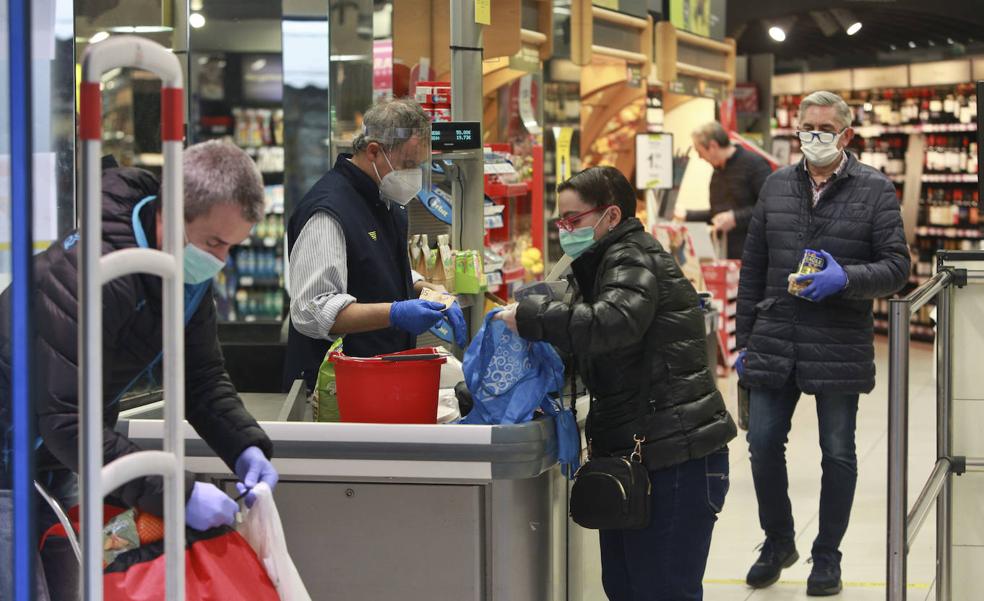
(217, 172)
(824, 98)
(712, 131)
(391, 123)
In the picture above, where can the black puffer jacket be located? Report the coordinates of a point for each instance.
(637, 333)
(132, 319)
(829, 345)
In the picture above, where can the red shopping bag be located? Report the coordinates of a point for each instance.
(219, 565)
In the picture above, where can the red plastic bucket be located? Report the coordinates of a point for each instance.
(380, 391)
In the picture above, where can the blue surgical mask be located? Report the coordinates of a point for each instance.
(200, 266)
(577, 242)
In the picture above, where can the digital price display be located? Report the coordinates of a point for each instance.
(456, 135)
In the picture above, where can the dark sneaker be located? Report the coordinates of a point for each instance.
(776, 556)
(825, 578)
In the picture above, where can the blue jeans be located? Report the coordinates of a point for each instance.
(770, 419)
(666, 560)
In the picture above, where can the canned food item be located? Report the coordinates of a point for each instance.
(812, 262)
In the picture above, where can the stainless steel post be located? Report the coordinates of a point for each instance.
(898, 409)
(468, 220)
(944, 446)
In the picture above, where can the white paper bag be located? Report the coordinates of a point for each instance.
(262, 529)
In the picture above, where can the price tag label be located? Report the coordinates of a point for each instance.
(654, 161)
(483, 12)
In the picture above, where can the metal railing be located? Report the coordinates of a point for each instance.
(904, 524)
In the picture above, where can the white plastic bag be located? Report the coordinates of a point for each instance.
(262, 529)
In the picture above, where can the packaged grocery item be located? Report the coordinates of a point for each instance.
(436, 296)
(325, 393)
(469, 277)
(446, 260)
(119, 536)
(414, 251)
(424, 259)
(812, 262)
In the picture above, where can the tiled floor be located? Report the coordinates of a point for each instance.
(737, 533)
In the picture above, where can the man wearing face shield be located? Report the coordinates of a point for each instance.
(349, 268)
(223, 200)
(818, 341)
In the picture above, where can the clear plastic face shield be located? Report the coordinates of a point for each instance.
(405, 166)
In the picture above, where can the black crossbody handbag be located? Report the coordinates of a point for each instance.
(612, 493)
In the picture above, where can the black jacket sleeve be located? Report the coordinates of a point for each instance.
(759, 171)
(701, 216)
(754, 272)
(889, 270)
(621, 313)
(57, 367)
(212, 405)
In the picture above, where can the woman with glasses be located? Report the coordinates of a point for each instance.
(635, 332)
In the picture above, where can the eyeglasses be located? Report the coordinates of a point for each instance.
(568, 224)
(825, 137)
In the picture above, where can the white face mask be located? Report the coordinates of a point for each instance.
(820, 154)
(399, 186)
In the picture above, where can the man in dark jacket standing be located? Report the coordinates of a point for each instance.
(820, 341)
(738, 177)
(349, 269)
(223, 196)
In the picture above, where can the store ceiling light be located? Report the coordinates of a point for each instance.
(196, 20)
(99, 37)
(912, 44)
(258, 64)
(777, 33)
(197, 5)
(850, 23)
(950, 41)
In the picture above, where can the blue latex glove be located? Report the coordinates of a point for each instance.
(253, 467)
(457, 320)
(416, 316)
(828, 282)
(209, 508)
(740, 364)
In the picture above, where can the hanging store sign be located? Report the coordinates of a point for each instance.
(692, 86)
(702, 17)
(563, 135)
(526, 111)
(654, 161)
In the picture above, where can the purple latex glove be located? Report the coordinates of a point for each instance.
(826, 283)
(740, 364)
(209, 508)
(253, 467)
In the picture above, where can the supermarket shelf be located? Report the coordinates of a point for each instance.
(255, 282)
(949, 232)
(254, 242)
(874, 131)
(898, 179)
(950, 178)
(507, 190)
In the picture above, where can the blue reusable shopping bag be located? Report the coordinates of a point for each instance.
(510, 378)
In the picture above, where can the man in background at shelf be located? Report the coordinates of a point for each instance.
(817, 340)
(347, 241)
(223, 199)
(738, 177)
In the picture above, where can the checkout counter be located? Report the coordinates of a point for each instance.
(414, 512)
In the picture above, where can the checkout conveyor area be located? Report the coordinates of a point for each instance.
(413, 512)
